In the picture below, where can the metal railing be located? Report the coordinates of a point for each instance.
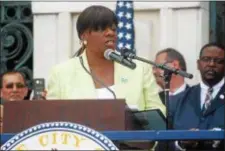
(151, 135)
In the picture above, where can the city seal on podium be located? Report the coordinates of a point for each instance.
(59, 136)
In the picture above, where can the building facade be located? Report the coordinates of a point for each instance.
(49, 30)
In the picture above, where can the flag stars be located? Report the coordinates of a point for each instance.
(121, 4)
(120, 35)
(128, 36)
(128, 26)
(120, 25)
(125, 33)
(128, 46)
(128, 5)
(120, 45)
(128, 15)
(120, 14)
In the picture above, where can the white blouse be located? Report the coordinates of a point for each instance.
(104, 93)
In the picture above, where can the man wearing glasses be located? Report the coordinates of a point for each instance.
(175, 59)
(203, 104)
(13, 86)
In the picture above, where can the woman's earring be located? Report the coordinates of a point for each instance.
(85, 42)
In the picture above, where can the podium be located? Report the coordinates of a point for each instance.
(101, 115)
(97, 114)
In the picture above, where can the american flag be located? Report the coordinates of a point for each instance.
(125, 30)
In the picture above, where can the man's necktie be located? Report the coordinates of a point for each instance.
(208, 100)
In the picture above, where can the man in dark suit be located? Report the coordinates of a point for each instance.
(203, 104)
(175, 59)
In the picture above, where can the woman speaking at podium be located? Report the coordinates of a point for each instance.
(89, 75)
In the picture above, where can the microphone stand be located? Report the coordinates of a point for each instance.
(168, 71)
(167, 78)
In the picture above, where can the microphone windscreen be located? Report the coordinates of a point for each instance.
(107, 54)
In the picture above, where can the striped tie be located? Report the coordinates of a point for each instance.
(208, 100)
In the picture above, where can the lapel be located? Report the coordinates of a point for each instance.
(122, 79)
(162, 97)
(187, 86)
(195, 97)
(217, 102)
(87, 86)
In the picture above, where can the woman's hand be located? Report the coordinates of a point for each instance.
(44, 94)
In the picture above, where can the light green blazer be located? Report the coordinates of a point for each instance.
(69, 80)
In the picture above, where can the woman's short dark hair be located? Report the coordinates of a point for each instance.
(95, 18)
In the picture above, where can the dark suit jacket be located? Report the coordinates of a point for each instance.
(162, 95)
(172, 101)
(188, 107)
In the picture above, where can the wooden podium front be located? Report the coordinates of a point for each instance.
(97, 114)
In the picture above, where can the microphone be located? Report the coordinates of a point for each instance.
(111, 55)
(129, 54)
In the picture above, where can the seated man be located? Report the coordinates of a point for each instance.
(174, 59)
(13, 88)
(203, 104)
